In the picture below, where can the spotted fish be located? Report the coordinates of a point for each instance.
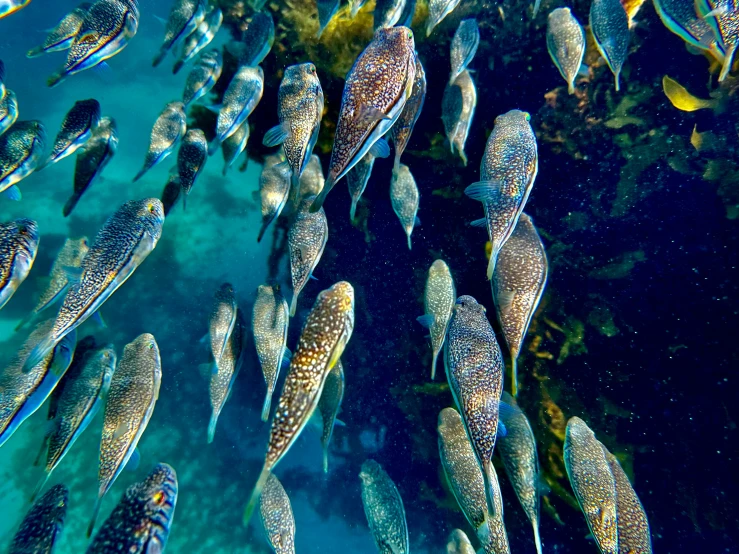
(375, 93)
(19, 241)
(222, 320)
(610, 26)
(457, 110)
(459, 543)
(329, 405)
(566, 44)
(8, 7)
(43, 524)
(134, 390)
(201, 38)
(507, 174)
(255, 41)
(593, 483)
(124, 241)
(325, 334)
(191, 160)
(312, 179)
(326, 11)
(8, 110)
(384, 509)
(202, 77)
(723, 17)
(140, 522)
(184, 18)
(518, 283)
(234, 145)
(270, 318)
(497, 542)
(404, 197)
(681, 17)
(21, 148)
(357, 180)
(277, 517)
(438, 302)
(91, 161)
(62, 35)
(401, 131)
(77, 128)
(306, 240)
(464, 47)
(168, 131)
(274, 187)
(242, 96)
(388, 12)
(438, 10)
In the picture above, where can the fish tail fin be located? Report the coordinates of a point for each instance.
(464, 157)
(434, 357)
(489, 477)
(294, 188)
(321, 198)
(728, 61)
(537, 539)
(263, 230)
(212, 426)
(267, 406)
(159, 57)
(55, 79)
(34, 52)
(514, 375)
(325, 458)
(38, 353)
(71, 203)
(491, 264)
(140, 174)
(409, 241)
(570, 88)
(40, 486)
(294, 304)
(537, 4)
(396, 163)
(617, 78)
(177, 66)
(95, 512)
(256, 493)
(353, 210)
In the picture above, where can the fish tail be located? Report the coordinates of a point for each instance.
(570, 88)
(34, 52)
(294, 304)
(491, 264)
(409, 242)
(212, 426)
(321, 198)
(537, 540)
(177, 66)
(256, 493)
(728, 61)
(514, 376)
(263, 230)
(617, 78)
(434, 357)
(140, 174)
(353, 210)
(159, 57)
(294, 188)
(536, 7)
(71, 203)
(267, 406)
(95, 512)
(325, 458)
(396, 163)
(489, 477)
(464, 157)
(55, 79)
(40, 486)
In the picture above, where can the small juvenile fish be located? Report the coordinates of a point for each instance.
(593, 483)
(438, 302)
(682, 99)
(134, 390)
(77, 128)
(270, 319)
(438, 10)
(191, 160)
(518, 283)
(277, 517)
(387, 13)
(357, 180)
(459, 543)
(8, 7)
(401, 131)
(62, 35)
(326, 11)
(312, 179)
(325, 334)
(306, 239)
(723, 17)
(21, 148)
(184, 18)
(610, 26)
(457, 110)
(234, 145)
(171, 193)
(299, 108)
(202, 77)
(464, 47)
(91, 161)
(329, 405)
(201, 38)
(168, 130)
(384, 509)
(107, 28)
(376, 90)
(507, 174)
(242, 96)
(274, 187)
(18, 247)
(140, 522)
(255, 42)
(404, 197)
(43, 524)
(8, 110)
(566, 44)
(124, 241)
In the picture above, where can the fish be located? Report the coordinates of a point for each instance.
(438, 302)
(124, 241)
(387, 13)
(507, 174)
(184, 18)
(682, 99)
(404, 197)
(566, 44)
(107, 28)
(21, 148)
(87, 383)
(2, 80)
(401, 131)
(464, 47)
(169, 129)
(8, 110)
(277, 517)
(375, 93)
(306, 240)
(384, 509)
(497, 542)
(62, 35)
(42, 525)
(459, 543)
(171, 193)
(300, 109)
(242, 96)
(270, 319)
(133, 393)
(222, 321)
(355, 6)
(324, 337)
(517, 449)
(357, 180)
(409, 11)
(8, 7)
(19, 241)
(203, 77)
(723, 18)
(681, 17)
(234, 145)
(274, 187)
(610, 27)
(191, 160)
(255, 41)
(518, 284)
(202, 37)
(82, 350)
(329, 405)
(141, 520)
(474, 368)
(312, 179)
(91, 161)
(593, 483)
(326, 11)
(438, 10)
(77, 128)
(457, 110)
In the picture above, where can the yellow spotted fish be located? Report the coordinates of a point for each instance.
(438, 301)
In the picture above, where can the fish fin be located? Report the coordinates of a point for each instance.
(97, 317)
(507, 411)
(205, 370)
(542, 486)
(434, 358)
(504, 299)
(256, 493)
(95, 512)
(267, 406)
(204, 338)
(537, 539)
(134, 460)
(286, 354)
(312, 277)
(369, 114)
(177, 66)
(716, 12)
(159, 57)
(514, 375)
(488, 476)
(536, 8)
(417, 221)
(13, 193)
(212, 426)
(728, 61)
(339, 423)
(40, 486)
(213, 369)
(72, 273)
(32, 53)
(215, 108)
(409, 242)
(161, 19)
(276, 135)
(427, 320)
(103, 71)
(55, 79)
(294, 304)
(583, 71)
(380, 149)
(501, 431)
(325, 460)
(481, 223)
(484, 191)
(321, 198)
(263, 230)
(38, 353)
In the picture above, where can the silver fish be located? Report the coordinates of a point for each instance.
(723, 18)
(274, 187)
(459, 543)
(43, 524)
(376, 90)
(438, 10)
(464, 47)
(255, 42)
(593, 483)
(388, 12)
(404, 196)
(681, 17)
(242, 96)
(610, 26)
(124, 241)
(91, 161)
(201, 38)
(326, 11)
(8, 110)
(191, 160)
(18, 247)
(384, 509)
(438, 303)
(140, 522)
(507, 174)
(21, 148)
(203, 76)
(77, 128)
(168, 131)
(184, 18)
(277, 517)
(312, 179)
(62, 35)
(329, 405)
(8, 7)
(401, 131)
(306, 240)
(357, 180)
(134, 390)
(270, 319)
(222, 321)
(326, 332)
(566, 44)
(457, 110)
(234, 145)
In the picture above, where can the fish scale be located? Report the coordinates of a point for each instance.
(306, 240)
(566, 44)
(457, 110)
(438, 300)
(77, 127)
(610, 27)
(277, 517)
(19, 242)
(384, 509)
(167, 132)
(274, 188)
(329, 405)
(21, 148)
(184, 18)
(401, 131)
(404, 197)
(202, 77)
(42, 525)
(62, 35)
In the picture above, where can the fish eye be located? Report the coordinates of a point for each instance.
(158, 498)
(410, 34)
(527, 115)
